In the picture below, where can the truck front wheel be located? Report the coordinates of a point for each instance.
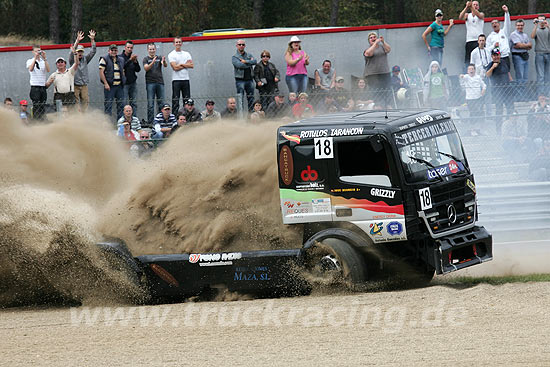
(333, 260)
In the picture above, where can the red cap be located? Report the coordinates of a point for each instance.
(23, 102)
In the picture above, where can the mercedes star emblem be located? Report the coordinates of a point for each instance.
(451, 213)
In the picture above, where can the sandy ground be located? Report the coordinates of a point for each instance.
(480, 325)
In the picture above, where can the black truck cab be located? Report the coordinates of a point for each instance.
(397, 179)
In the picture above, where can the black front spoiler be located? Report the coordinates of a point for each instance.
(463, 249)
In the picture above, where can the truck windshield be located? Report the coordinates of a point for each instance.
(431, 151)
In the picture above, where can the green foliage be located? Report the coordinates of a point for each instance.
(133, 19)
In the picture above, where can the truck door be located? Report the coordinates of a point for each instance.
(364, 189)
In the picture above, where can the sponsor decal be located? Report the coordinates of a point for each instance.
(444, 170)
(289, 204)
(348, 189)
(453, 167)
(383, 193)
(293, 138)
(286, 165)
(394, 228)
(225, 258)
(424, 132)
(312, 186)
(251, 274)
(471, 185)
(386, 216)
(424, 119)
(376, 228)
(194, 258)
(291, 211)
(164, 275)
(324, 133)
(321, 205)
(309, 174)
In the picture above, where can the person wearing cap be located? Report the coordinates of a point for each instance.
(437, 41)
(342, 96)
(81, 77)
(396, 81)
(209, 114)
(278, 108)
(377, 70)
(296, 62)
(324, 76)
(474, 19)
(38, 67)
(499, 37)
(111, 74)
(23, 112)
(500, 77)
(180, 61)
(244, 74)
(131, 67)
(63, 81)
(128, 116)
(190, 112)
(154, 81)
(163, 123)
(266, 77)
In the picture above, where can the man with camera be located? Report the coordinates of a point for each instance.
(541, 35)
(38, 68)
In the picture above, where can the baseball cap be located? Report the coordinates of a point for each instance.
(339, 78)
(60, 59)
(113, 46)
(80, 48)
(23, 102)
(165, 106)
(210, 102)
(396, 68)
(438, 11)
(189, 101)
(496, 51)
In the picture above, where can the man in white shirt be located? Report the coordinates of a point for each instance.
(474, 26)
(63, 80)
(38, 67)
(480, 57)
(499, 38)
(180, 61)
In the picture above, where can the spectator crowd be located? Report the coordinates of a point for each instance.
(486, 81)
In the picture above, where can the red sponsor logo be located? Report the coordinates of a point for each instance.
(193, 258)
(453, 167)
(309, 174)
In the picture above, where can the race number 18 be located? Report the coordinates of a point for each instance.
(323, 148)
(425, 198)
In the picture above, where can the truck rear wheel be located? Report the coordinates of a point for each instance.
(333, 260)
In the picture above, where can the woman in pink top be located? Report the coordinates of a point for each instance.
(296, 61)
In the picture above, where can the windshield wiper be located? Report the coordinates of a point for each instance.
(427, 164)
(467, 169)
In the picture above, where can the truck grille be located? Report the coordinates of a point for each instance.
(453, 206)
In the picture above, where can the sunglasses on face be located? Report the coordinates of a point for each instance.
(439, 15)
(266, 56)
(241, 44)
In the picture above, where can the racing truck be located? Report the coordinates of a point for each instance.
(378, 194)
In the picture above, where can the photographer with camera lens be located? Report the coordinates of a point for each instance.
(541, 35)
(38, 68)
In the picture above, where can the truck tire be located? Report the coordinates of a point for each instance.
(343, 258)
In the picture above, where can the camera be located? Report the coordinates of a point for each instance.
(536, 21)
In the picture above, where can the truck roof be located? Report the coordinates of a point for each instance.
(391, 120)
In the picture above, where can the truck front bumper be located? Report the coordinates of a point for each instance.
(463, 249)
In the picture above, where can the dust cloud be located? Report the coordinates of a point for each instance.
(68, 184)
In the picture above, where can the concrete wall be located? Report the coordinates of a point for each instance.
(213, 73)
